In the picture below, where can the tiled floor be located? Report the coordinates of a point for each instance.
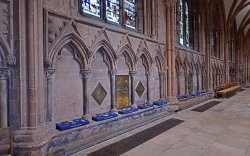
(223, 130)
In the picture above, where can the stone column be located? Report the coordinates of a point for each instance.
(85, 79)
(170, 54)
(112, 90)
(226, 61)
(132, 89)
(49, 75)
(148, 86)
(209, 75)
(3, 98)
(162, 84)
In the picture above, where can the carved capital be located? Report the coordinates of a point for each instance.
(147, 74)
(85, 73)
(11, 60)
(4, 73)
(112, 73)
(132, 72)
(49, 73)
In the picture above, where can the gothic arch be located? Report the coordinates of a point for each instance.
(160, 61)
(80, 51)
(4, 51)
(143, 52)
(108, 52)
(130, 56)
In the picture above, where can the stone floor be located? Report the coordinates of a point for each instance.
(223, 130)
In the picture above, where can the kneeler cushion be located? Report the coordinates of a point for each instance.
(71, 124)
(127, 110)
(104, 116)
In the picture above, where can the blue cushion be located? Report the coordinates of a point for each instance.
(71, 124)
(127, 110)
(145, 106)
(104, 116)
(159, 103)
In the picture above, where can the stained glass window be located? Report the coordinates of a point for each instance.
(112, 10)
(187, 24)
(181, 23)
(129, 13)
(91, 7)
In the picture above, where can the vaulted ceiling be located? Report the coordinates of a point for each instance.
(239, 11)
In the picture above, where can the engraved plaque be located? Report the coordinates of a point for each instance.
(122, 91)
(140, 89)
(99, 93)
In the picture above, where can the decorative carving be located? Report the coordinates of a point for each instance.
(4, 20)
(123, 43)
(10, 60)
(132, 72)
(140, 89)
(55, 27)
(99, 93)
(101, 36)
(112, 73)
(50, 73)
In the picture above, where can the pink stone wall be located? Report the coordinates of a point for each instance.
(68, 90)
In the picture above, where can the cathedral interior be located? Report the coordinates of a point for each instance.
(77, 73)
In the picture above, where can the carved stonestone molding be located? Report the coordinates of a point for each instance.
(132, 72)
(85, 73)
(55, 27)
(50, 73)
(10, 60)
(112, 73)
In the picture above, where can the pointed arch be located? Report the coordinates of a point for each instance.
(108, 52)
(160, 61)
(4, 51)
(80, 50)
(129, 54)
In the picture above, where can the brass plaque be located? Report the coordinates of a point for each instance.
(140, 89)
(99, 93)
(122, 91)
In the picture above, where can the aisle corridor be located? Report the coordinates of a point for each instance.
(223, 130)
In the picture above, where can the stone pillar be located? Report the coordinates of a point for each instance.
(49, 75)
(226, 60)
(209, 76)
(3, 98)
(148, 74)
(132, 89)
(112, 90)
(85, 79)
(161, 84)
(171, 51)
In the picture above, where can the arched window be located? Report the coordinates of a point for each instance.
(115, 11)
(183, 23)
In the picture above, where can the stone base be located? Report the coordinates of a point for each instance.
(54, 142)
(87, 117)
(194, 101)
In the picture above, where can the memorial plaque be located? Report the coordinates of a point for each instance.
(122, 91)
(99, 93)
(140, 89)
